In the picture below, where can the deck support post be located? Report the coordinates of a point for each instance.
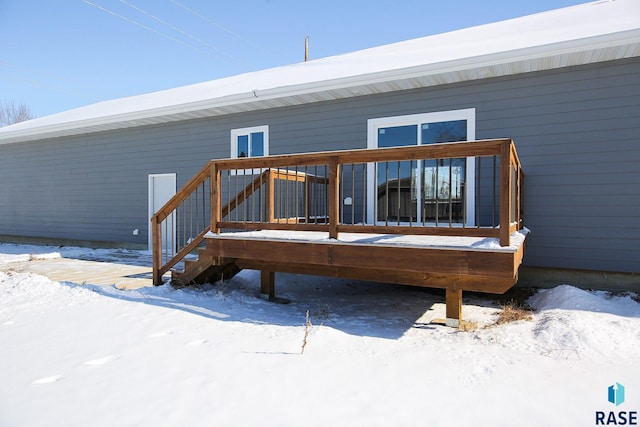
(454, 307)
(268, 283)
(156, 249)
(505, 194)
(214, 197)
(269, 187)
(334, 197)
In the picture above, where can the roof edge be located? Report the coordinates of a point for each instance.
(254, 99)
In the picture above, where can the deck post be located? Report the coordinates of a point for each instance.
(307, 201)
(520, 197)
(214, 200)
(505, 194)
(269, 204)
(454, 307)
(268, 283)
(156, 236)
(334, 196)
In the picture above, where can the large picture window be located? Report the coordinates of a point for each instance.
(422, 191)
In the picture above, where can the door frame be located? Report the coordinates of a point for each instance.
(468, 114)
(151, 199)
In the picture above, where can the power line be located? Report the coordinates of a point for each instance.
(44, 80)
(173, 27)
(153, 30)
(44, 85)
(223, 28)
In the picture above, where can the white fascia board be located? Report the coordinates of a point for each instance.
(520, 55)
(301, 93)
(116, 121)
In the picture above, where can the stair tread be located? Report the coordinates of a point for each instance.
(203, 270)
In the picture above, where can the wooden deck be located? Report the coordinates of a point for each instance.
(289, 214)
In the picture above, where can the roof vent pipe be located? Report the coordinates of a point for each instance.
(306, 49)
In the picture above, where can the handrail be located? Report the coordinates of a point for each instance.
(488, 147)
(159, 265)
(188, 188)
(288, 168)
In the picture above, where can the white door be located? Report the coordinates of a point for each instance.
(162, 187)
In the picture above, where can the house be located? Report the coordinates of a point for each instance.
(564, 85)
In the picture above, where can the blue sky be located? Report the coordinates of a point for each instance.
(58, 55)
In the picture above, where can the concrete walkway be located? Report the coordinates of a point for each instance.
(85, 272)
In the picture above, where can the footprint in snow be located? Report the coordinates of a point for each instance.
(99, 362)
(47, 380)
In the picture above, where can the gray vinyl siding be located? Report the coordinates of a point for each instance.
(576, 131)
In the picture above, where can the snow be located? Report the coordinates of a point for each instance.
(78, 355)
(440, 242)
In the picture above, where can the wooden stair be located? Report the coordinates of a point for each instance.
(204, 269)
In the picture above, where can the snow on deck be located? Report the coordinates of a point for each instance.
(485, 244)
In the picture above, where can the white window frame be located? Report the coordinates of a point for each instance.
(468, 114)
(235, 133)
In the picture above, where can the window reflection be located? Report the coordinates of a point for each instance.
(444, 179)
(438, 190)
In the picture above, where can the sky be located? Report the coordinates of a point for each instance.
(59, 55)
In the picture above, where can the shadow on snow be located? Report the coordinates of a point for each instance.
(351, 306)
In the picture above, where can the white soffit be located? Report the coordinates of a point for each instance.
(588, 33)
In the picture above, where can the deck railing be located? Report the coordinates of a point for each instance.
(454, 189)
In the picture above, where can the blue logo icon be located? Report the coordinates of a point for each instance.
(616, 394)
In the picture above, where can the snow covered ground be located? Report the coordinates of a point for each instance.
(74, 355)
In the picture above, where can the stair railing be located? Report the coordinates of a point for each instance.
(181, 225)
(185, 216)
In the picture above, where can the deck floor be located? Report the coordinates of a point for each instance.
(484, 244)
